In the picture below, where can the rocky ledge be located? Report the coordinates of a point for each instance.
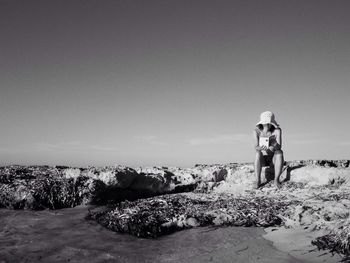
(315, 195)
(149, 202)
(152, 217)
(41, 187)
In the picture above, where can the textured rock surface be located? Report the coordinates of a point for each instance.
(40, 187)
(157, 216)
(315, 194)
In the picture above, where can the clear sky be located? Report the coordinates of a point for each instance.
(171, 82)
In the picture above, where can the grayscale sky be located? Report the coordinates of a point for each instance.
(171, 82)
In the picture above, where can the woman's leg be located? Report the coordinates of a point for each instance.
(278, 162)
(257, 165)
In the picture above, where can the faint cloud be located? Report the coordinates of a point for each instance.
(344, 143)
(220, 139)
(306, 141)
(71, 146)
(102, 148)
(302, 138)
(12, 150)
(300, 135)
(151, 139)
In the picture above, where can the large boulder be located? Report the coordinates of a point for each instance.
(116, 176)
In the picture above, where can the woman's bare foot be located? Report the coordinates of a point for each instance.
(257, 185)
(278, 184)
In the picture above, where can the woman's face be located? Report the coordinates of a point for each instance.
(267, 126)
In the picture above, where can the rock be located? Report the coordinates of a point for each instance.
(323, 163)
(220, 175)
(314, 194)
(157, 216)
(41, 187)
(152, 183)
(120, 177)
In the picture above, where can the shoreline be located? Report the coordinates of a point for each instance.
(297, 243)
(65, 235)
(61, 235)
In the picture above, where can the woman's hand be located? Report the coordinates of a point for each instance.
(264, 148)
(260, 148)
(272, 149)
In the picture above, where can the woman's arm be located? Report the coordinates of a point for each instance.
(256, 141)
(278, 145)
(279, 138)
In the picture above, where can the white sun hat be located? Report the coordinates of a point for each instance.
(267, 117)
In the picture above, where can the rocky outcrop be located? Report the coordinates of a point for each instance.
(314, 194)
(157, 216)
(40, 187)
(322, 163)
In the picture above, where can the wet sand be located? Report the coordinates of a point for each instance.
(65, 236)
(297, 243)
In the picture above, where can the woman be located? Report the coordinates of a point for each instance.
(272, 155)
